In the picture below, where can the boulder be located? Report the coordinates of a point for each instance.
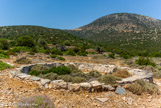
(45, 81)
(108, 88)
(96, 85)
(59, 84)
(73, 87)
(120, 90)
(46, 86)
(12, 74)
(102, 99)
(85, 86)
(34, 78)
(23, 76)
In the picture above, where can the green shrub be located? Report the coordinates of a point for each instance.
(70, 52)
(23, 60)
(61, 70)
(3, 55)
(61, 58)
(25, 41)
(93, 74)
(112, 55)
(39, 67)
(4, 44)
(18, 49)
(109, 79)
(82, 53)
(4, 65)
(122, 73)
(78, 79)
(39, 101)
(74, 69)
(34, 72)
(56, 51)
(66, 78)
(51, 76)
(141, 86)
(125, 55)
(53, 56)
(31, 53)
(145, 61)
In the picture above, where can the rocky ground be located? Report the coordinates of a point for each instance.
(13, 90)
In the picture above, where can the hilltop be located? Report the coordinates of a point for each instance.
(123, 30)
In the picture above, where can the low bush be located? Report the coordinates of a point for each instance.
(26, 41)
(53, 56)
(112, 55)
(39, 101)
(93, 74)
(67, 78)
(122, 73)
(39, 68)
(78, 79)
(70, 52)
(56, 51)
(34, 72)
(23, 60)
(61, 58)
(125, 55)
(109, 79)
(82, 53)
(61, 70)
(141, 86)
(18, 49)
(157, 74)
(4, 65)
(3, 55)
(4, 44)
(145, 61)
(51, 76)
(31, 53)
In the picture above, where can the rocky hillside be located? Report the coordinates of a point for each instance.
(123, 30)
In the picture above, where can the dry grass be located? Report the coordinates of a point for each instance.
(23, 60)
(141, 86)
(122, 73)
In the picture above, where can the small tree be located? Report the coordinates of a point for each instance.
(4, 44)
(99, 50)
(25, 41)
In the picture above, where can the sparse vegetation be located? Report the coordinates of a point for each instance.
(145, 61)
(141, 86)
(3, 55)
(23, 60)
(122, 73)
(4, 65)
(61, 58)
(157, 74)
(38, 101)
(109, 79)
(71, 74)
(111, 55)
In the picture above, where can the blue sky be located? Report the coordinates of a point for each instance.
(70, 14)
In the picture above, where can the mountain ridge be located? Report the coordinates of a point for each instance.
(123, 30)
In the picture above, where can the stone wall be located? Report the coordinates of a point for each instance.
(23, 71)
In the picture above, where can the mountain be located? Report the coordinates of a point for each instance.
(51, 36)
(123, 30)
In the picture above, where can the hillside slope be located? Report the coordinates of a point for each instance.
(123, 30)
(52, 36)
